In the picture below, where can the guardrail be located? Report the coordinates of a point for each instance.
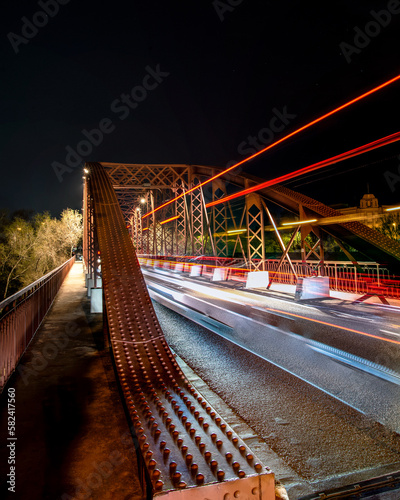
(21, 315)
(364, 278)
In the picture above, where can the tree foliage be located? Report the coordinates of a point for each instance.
(390, 225)
(32, 245)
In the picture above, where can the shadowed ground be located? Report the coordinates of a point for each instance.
(73, 440)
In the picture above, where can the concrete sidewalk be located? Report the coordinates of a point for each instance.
(73, 439)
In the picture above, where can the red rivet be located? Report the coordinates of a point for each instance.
(199, 479)
(176, 477)
(156, 474)
(220, 475)
(158, 486)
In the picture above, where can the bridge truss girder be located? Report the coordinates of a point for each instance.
(196, 231)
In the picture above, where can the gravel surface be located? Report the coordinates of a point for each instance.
(323, 440)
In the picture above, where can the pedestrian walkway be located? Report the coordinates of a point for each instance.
(73, 439)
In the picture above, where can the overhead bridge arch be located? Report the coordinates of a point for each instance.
(196, 229)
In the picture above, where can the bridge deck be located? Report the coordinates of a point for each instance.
(65, 392)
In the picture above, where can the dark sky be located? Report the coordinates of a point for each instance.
(225, 69)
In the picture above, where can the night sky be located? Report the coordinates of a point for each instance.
(208, 78)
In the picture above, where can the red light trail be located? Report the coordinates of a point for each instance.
(285, 138)
(171, 218)
(334, 326)
(315, 166)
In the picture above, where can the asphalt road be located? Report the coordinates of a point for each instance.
(331, 422)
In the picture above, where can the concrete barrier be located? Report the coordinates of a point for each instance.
(220, 274)
(196, 270)
(316, 287)
(257, 279)
(179, 267)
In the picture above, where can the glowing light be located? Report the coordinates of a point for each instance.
(142, 200)
(235, 231)
(334, 326)
(391, 209)
(295, 223)
(171, 218)
(285, 138)
(86, 170)
(138, 209)
(315, 166)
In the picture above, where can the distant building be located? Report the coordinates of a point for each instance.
(369, 212)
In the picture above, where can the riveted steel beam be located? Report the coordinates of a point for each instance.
(186, 449)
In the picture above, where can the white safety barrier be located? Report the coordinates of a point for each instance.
(179, 267)
(196, 270)
(220, 274)
(316, 287)
(257, 279)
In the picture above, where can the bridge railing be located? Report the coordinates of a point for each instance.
(344, 276)
(21, 315)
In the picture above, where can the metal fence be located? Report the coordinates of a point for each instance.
(344, 276)
(21, 315)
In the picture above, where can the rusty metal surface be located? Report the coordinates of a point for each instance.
(183, 441)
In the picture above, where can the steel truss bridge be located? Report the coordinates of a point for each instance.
(183, 444)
